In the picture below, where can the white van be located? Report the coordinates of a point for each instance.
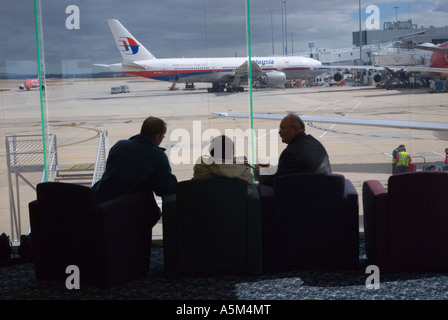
(115, 90)
(318, 82)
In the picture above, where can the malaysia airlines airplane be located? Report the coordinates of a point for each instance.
(223, 73)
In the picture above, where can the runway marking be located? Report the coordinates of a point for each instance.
(324, 105)
(356, 106)
(439, 154)
(98, 133)
(267, 133)
(312, 125)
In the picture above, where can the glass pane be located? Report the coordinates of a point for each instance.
(22, 118)
(87, 97)
(81, 100)
(329, 33)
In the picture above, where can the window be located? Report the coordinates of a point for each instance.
(74, 104)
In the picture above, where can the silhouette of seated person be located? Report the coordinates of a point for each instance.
(222, 163)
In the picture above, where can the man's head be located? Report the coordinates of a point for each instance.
(154, 128)
(290, 126)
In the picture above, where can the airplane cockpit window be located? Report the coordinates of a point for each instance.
(76, 77)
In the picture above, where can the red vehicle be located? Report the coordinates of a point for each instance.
(340, 83)
(29, 84)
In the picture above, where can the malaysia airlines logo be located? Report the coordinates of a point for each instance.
(129, 45)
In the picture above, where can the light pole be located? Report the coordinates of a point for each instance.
(272, 32)
(360, 35)
(283, 32)
(286, 33)
(396, 13)
(292, 44)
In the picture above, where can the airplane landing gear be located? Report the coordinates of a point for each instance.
(220, 87)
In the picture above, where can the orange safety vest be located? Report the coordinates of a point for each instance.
(403, 159)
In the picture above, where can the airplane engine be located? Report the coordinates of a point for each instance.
(338, 77)
(273, 78)
(377, 77)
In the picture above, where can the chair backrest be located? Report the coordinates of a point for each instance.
(418, 219)
(319, 194)
(61, 225)
(212, 226)
(109, 242)
(316, 226)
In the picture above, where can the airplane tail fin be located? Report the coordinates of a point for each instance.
(128, 45)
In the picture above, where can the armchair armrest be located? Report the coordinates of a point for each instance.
(376, 222)
(125, 225)
(170, 236)
(352, 198)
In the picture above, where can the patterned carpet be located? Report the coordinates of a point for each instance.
(17, 282)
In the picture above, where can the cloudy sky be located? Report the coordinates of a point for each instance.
(192, 28)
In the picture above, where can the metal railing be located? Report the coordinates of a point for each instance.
(24, 154)
(101, 157)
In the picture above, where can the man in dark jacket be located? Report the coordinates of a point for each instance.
(138, 165)
(303, 154)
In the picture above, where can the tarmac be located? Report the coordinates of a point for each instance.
(77, 110)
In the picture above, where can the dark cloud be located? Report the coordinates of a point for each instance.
(179, 28)
(443, 7)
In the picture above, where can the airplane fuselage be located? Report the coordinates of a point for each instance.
(189, 70)
(439, 60)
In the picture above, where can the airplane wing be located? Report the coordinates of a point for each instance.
(126, 64)
(419, 125)
(421, 69)
(242, 72)
(133, 65)
(102, 65)
(352, 67)
(428, 48)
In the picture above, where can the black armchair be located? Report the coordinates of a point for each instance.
(212, 227)
(310, 221)
(109, 242)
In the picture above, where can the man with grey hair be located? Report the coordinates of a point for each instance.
(303, 154)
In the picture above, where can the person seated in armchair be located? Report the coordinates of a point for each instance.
(303, 154)
(138, 165)
(222, 163)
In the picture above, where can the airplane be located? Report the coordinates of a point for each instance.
(29, 84)
(223, 73)
(437, 68)
(438, 64)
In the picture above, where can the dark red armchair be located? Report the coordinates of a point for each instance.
(406, 225)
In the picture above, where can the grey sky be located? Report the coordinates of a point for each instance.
(193, 28)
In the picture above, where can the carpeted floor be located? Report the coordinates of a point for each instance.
(17, 282)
